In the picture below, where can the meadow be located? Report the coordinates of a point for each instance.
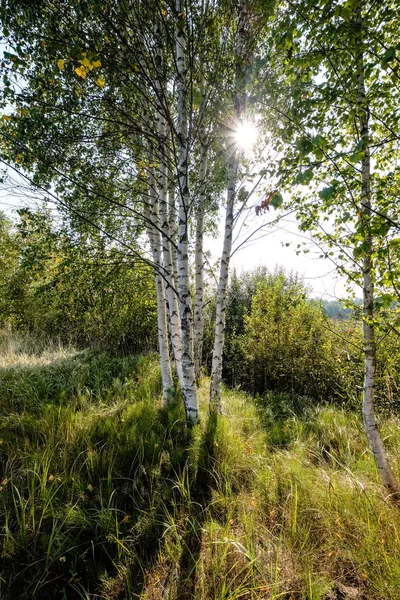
(105, 494)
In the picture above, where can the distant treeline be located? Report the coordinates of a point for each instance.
(337, 310)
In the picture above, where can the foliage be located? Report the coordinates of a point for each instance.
(278, 340)
(76, 287)
(325, 48)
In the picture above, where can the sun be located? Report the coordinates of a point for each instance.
(246, 135)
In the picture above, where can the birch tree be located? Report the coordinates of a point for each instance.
(339, 112)
(233, 163)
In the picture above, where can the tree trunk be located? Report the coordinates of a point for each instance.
(239, 105)
(370, 423)
(164, 157)
(222, 291)
(199, 251)
(155, 245)
(189, 380)
(171, 284)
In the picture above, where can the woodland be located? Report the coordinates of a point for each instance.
(172, 427)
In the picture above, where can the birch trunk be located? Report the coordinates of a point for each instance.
(173, 230)
(370, 423)
(155, 245)
(170, 283)
(199, 255)
(239, 102)
(189, 380)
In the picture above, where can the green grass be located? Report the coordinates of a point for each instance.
(104, 494)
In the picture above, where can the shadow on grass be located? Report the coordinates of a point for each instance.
(201, 491)
(86, 495)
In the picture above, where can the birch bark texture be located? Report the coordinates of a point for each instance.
(153, 232)
(189, 379)
(370, 424)
(164, 159)
(220, 319)
(199, 245)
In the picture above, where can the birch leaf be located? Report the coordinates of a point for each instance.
(81, 72)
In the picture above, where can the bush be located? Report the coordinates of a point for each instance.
(279, 340)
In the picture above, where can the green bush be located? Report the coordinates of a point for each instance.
(279, 340)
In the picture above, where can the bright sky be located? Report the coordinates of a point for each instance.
(270, 251)
(267, 247)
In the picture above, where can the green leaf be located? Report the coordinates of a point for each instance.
(388, 56)
(327, 193)
(384, 300)
(276, 200)
(356, 157)
(305, 177)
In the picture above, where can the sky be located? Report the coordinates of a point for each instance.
(271, 250)
(273, 246)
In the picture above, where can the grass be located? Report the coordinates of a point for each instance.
(104, 494)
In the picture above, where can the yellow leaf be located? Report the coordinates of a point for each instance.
(6, 118)
(61, 64)
(100, 82)
(19, 158)
(96, 63)
(106, 39)
(86, 62)
(81, 71)
(163, 12)
(51, 478)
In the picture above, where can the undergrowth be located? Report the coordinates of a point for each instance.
(104, 494)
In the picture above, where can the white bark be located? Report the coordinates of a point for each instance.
(239, 102)
(155, 245)
(173, 229)
(220, 318)
(189, 380)
(170, 282)
(370, 423)
(199, 250)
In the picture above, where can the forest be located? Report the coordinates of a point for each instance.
(172, 426)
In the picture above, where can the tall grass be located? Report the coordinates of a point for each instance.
(104, 494)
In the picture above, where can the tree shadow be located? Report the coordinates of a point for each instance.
(201, 491)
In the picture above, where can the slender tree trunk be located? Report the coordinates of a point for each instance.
(173, 229)
(189, 379)
(171, 284)
(199, 247)
(370, 423)
(164, 156)
(239, 104)
(162, 316)
(222, 291)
